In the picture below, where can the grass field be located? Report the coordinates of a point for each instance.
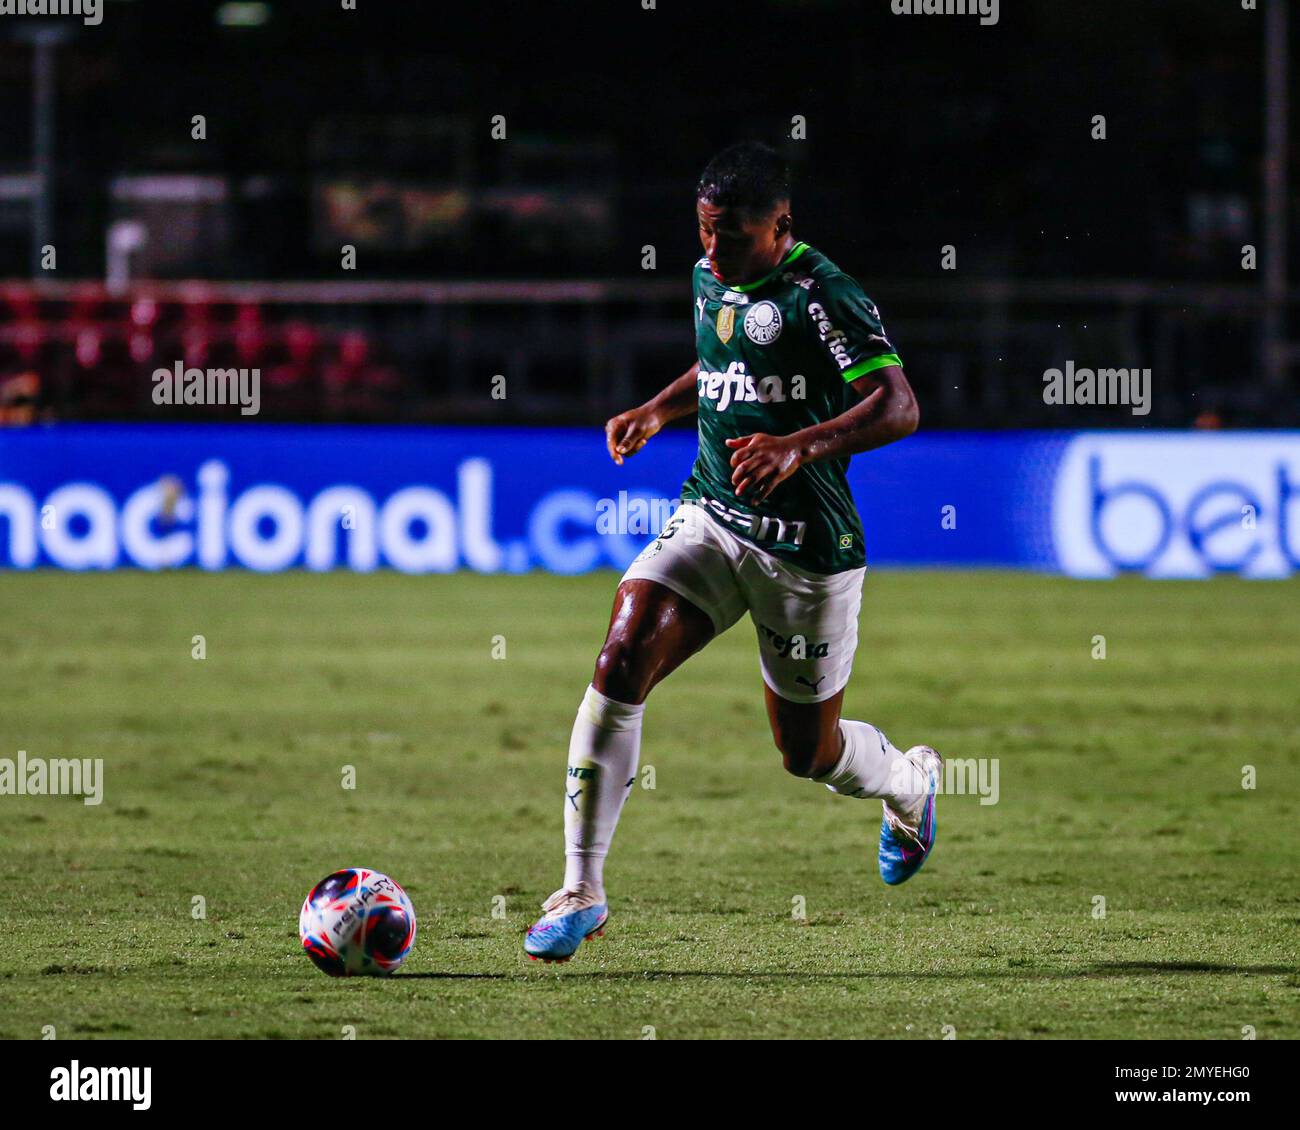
(1119, 777)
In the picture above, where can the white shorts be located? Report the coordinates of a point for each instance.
(807, 623)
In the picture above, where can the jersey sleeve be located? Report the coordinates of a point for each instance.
(847, 324)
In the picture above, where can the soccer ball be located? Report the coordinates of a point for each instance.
(357, 922)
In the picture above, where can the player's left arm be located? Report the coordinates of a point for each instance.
(886, 412)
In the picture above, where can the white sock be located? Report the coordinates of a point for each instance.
(603, 753)
(871, 766)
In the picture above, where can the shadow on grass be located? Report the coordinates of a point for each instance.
(1123, 968)
(1096, 969)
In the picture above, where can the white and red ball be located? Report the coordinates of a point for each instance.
(357, 923)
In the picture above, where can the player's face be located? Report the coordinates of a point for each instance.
(742, 245)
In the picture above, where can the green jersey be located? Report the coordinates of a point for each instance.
(776, 356)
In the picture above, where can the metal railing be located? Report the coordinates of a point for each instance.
(976, 350)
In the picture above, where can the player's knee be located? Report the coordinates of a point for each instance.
(620, 675)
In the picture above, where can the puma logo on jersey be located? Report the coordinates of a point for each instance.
(736, 386)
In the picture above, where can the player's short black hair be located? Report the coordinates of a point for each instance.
(748, 175)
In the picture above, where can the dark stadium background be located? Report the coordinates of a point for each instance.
(374, 128)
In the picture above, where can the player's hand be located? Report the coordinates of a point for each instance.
(760, 463)
(628, 432)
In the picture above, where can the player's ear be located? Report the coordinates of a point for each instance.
(784, 222)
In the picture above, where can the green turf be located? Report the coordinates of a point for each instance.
(1119, 778)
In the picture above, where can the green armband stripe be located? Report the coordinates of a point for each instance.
(862, 368)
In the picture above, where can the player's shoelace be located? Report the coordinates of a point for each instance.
(910, 841)
(905, 833)
(564, 902)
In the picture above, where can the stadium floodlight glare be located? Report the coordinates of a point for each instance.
(243, 14)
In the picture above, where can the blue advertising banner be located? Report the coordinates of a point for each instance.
(1088, 504)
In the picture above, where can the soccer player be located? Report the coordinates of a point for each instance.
(794, 375)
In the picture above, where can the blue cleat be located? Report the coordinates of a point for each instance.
(570, 917)
(905, 846)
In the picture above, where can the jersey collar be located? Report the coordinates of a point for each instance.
(797, 250)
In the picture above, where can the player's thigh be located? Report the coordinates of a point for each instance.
(806, 733)
(678, 594)
(652, 631)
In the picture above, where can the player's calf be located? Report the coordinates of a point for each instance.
(807, 756)
(807, 734)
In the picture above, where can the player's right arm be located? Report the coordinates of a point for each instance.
(628, 432)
